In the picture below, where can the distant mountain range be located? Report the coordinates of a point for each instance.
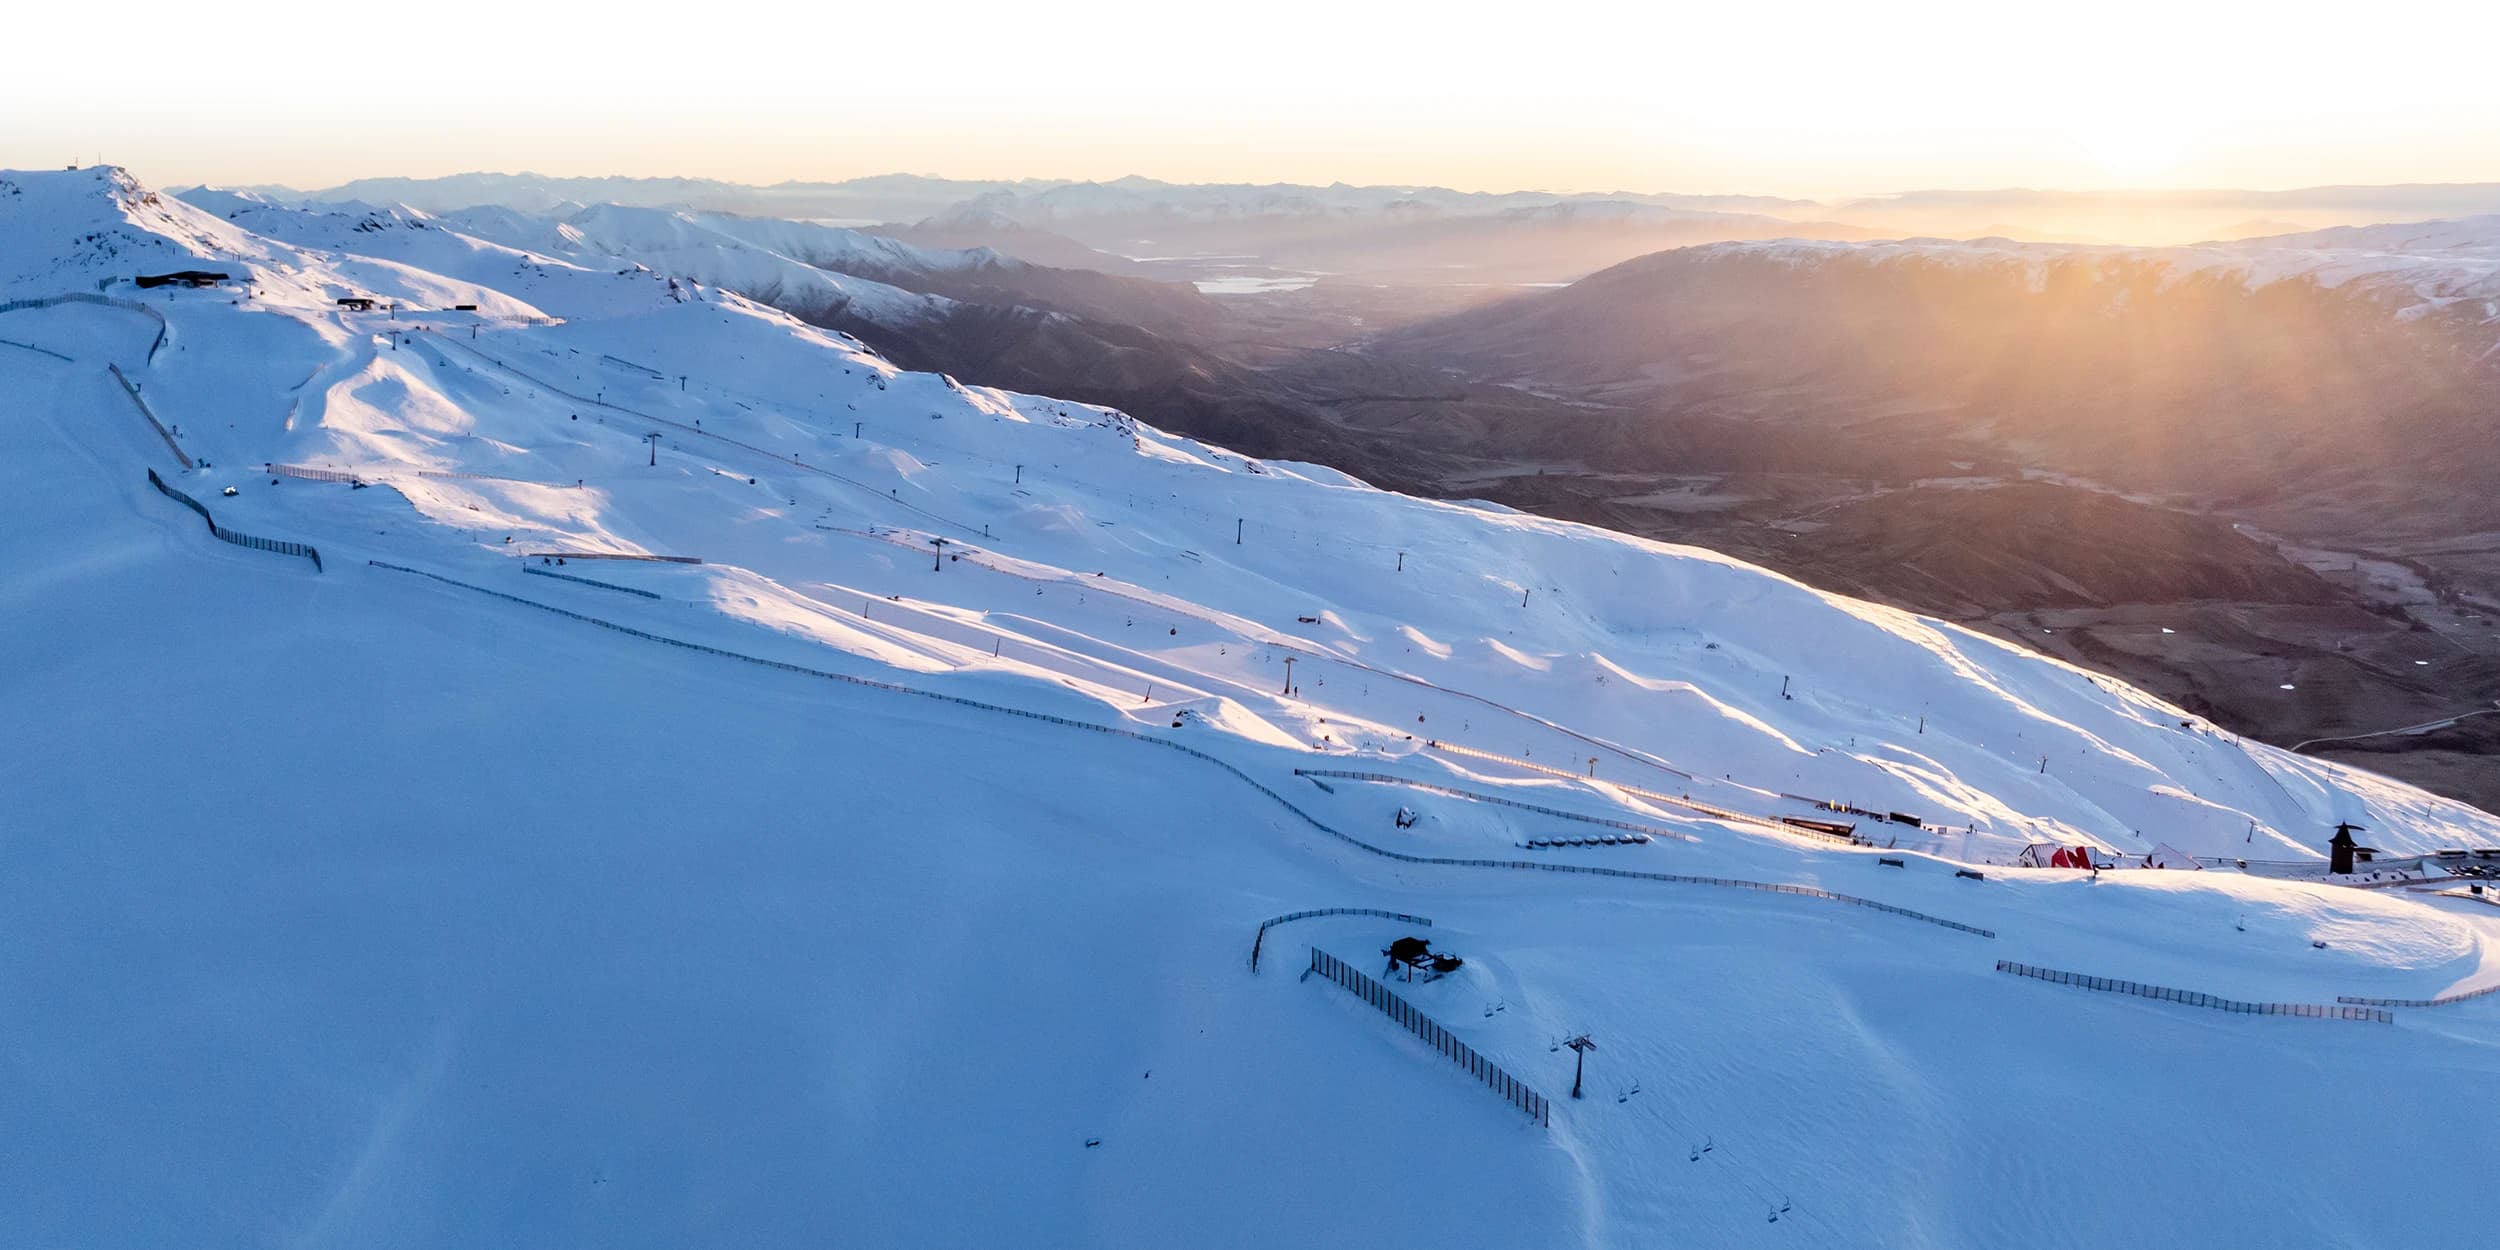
(2352, 370)
(2113, 215)
(2160, 217)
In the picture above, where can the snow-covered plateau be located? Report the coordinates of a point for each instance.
(882, 868)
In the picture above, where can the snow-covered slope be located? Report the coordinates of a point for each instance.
(369, 905)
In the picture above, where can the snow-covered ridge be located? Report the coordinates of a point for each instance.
(795, 265)
(1148, 198)
(2426, 263)
(1659, 653)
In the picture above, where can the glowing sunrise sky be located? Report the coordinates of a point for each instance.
(1800, 97)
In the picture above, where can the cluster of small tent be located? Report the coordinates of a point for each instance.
(2051, 855)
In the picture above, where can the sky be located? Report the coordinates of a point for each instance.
(1809, 98)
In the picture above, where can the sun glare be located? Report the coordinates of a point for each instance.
(2131, 147)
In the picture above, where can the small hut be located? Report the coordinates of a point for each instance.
(2164, 855)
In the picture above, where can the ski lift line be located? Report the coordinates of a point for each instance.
(1385, 779)
(1067, 664)
(371, 476)
(2425, 726)
(1727, 1154)
(489, 477)
(700, 432)
(1641, 758)
(2268, 774)
(1334, 539)
(1715, 1152)
(1706, 809)
(611, 555)
(1226, 766)
(1286, 642)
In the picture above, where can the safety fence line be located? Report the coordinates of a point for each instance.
(2441, 1001)
(2195, 998)
(700, 432)
(311, 474)
(1245, 778)
(612, 555)
(161, 432)
(1272, 922)
(1387, 780)
(101, 301)
(536, 571)
(1500, 1082)
(237, 537)
(44, 350)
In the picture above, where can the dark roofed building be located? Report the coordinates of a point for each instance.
(2341, 849)
(1407, 951)
(184, 277)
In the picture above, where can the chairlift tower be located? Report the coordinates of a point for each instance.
(1580, 1048)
